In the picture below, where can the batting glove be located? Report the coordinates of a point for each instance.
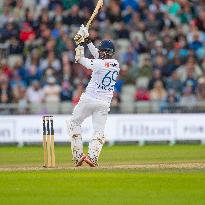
(81, 35)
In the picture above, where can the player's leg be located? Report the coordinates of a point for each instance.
(99, 118)
(81, 111)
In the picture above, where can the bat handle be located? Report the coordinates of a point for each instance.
(88, 24)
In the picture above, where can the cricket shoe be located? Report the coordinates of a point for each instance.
(80, 161)
(89, 162)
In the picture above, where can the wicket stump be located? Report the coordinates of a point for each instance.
(48, 142)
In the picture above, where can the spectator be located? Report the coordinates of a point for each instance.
(170, 102)
(200, 19)
(43, 3)
(33, 73)
(190, 81)
(173, 82)
(8, 31)
(68, 4)
(172, 7)
(156, 76)
(22, 101)
(158, 93)
(33, 59)
(122, 32)
(73, 17)
(152, 23)
(129, 57)
(161, 65)
(19, 74)
(114, 12)
(52, 61)
(142, 94)
(171, 98)
(15, 47)
(5, 90)
(5, 69)
(130, 3)
(196, 43)
(55, 33)
(188, 67)
(136, 24)
(5, 16)
(188, 98)
(52, 91)
(67, 91)
(158, 50)
(145, 69)
(26, 33)
(89, 4)
(173, 65)
(35, 93)
(166, 21)
(58, 15)
(138, 46)
(201, 88)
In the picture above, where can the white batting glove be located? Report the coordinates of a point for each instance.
(83, 31)
(81, 35)
(79, 52)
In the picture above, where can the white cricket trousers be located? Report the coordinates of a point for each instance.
(98, 109)
(88, 106)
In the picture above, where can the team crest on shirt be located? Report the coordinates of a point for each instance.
(107, 65)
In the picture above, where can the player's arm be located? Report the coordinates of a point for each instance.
(92, 64)
(79, 53)
(92, 49)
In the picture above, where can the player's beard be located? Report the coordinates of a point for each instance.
(104, 55)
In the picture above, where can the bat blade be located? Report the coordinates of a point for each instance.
(78, 38)
(95, 12)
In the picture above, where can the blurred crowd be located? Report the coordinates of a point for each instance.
(160, 45)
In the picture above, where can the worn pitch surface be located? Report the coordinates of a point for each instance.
(149, 166)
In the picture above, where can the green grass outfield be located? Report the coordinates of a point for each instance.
(149, 175)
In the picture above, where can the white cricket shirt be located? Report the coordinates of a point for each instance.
(103, 79)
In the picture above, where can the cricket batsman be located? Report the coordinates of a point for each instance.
(96, 99)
